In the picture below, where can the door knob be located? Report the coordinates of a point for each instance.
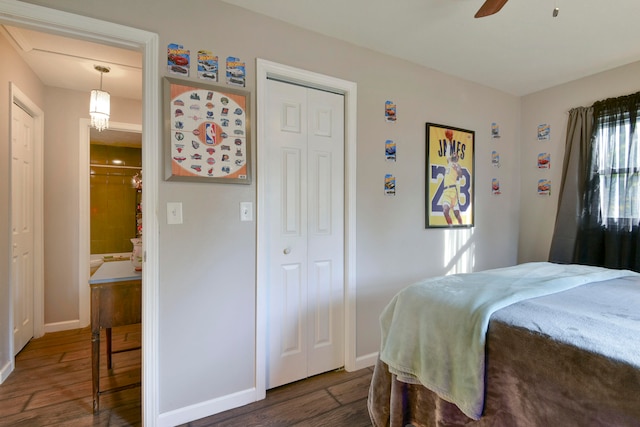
(287, 251)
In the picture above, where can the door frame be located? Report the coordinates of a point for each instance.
(84, 226)
(265, 70)
(22, 100)
(66, 24)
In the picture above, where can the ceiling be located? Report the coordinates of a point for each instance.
(69, 64)
(520, 50)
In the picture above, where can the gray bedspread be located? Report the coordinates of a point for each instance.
(567, 359)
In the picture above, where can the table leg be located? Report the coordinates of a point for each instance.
(108, 336)
(95, 367)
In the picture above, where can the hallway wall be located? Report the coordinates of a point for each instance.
(20, 74)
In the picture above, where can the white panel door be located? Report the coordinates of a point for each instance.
(22, 224)
(305, 210)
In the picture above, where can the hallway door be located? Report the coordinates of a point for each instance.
(305, 209)
(22, 225)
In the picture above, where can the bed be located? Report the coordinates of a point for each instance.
(537, 344)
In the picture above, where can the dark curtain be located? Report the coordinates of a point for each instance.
(608, 212)
(574, 176)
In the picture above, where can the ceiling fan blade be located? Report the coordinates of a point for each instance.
(490, 7)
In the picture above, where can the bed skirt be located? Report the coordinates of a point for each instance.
(531, 381)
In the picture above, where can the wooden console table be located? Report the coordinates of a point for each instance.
(116, 300)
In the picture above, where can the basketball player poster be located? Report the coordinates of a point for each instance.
(449, 176)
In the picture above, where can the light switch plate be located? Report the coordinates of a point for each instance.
(246, 211)
(174, 212)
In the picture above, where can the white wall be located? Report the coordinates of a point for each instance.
(394, 248)
(537, 214)
(207, 265)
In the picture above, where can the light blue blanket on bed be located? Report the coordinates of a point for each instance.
(434, 331)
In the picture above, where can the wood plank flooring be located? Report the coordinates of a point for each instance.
(51, 386)
(334, 399)
(51, 383)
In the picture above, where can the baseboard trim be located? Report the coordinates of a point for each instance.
(366, 361)
(207, 408)
(62, 326)
(6, 370)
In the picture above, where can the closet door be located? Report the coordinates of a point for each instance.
(305, 197)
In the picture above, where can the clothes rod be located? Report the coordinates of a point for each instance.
(95, 165)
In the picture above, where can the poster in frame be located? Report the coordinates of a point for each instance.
(450, 179)
(206, 132)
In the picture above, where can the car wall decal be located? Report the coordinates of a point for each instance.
(207, 66)
(178, 59)
(235, 71)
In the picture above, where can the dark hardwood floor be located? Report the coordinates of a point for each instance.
(51, 383)
(334, 399)
(51, 386)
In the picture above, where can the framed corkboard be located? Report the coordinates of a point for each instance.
(206, 133)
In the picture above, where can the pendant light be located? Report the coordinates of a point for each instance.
(99, 106)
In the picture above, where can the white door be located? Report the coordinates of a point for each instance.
(22, 225)
(305, 216)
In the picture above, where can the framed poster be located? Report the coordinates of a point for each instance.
(449, 176)
(206, 133)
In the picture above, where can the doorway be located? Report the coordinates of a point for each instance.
(116, 186)
(63, 23)
(132, 133)
(66, 64)
(266, 70)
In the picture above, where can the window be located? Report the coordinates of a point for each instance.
(616, 162)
